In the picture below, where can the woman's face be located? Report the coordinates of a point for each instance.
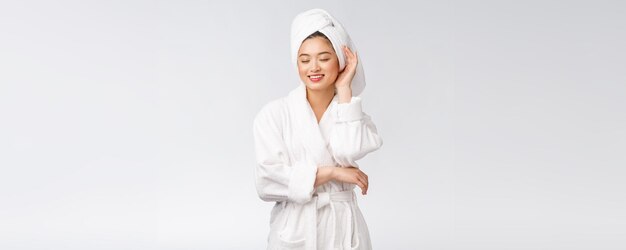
(318, 65)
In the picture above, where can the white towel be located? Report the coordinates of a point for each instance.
(310, 21)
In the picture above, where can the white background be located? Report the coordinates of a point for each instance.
(128, 124)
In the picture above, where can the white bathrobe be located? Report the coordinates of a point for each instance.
(290, 146)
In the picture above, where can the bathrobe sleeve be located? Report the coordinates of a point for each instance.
(354, 135)
(276, 178)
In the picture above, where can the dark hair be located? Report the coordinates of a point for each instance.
(318, 34)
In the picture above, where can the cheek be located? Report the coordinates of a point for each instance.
(333, 69)
(301, 71)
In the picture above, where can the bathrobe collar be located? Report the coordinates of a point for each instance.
(314, 146)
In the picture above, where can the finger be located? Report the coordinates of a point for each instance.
(364, 178)
(359, 181)
(367, 182)
(351, 60)
(348, 59)
(367, 185)
(362, 186)
(363, 175)
(364, 182)
(348, 52)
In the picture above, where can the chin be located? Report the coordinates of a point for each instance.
(318, 86)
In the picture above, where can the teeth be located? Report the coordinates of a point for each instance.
(316, 76)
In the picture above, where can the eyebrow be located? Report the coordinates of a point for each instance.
(325, 52)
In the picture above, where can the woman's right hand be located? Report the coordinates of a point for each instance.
(351, 175)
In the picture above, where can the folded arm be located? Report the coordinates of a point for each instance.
(276, 177)
(354, 134)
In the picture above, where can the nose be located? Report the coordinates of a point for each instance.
(315, 67)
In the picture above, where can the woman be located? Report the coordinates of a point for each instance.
(307, 143)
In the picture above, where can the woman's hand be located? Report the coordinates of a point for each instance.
(344, 79)
(351, 175)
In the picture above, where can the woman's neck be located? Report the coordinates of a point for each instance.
(319, 101)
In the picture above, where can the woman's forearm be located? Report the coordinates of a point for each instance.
(324, 174)
(344, 94)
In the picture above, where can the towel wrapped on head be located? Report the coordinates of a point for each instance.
(310, 21)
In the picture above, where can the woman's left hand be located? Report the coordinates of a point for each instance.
(344, 79)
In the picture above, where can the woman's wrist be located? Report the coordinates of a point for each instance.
(331, 173)
(324, 174)
(344, 93)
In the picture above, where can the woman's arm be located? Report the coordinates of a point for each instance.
(276, 177)
(348, 175)
(354, 135)
(344, 80)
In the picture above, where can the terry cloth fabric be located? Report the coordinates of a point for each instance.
(290, 146)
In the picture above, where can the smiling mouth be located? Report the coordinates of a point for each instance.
(316, 78)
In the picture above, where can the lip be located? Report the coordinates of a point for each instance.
(316, 79)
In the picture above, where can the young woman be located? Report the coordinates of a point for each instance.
(307, 143)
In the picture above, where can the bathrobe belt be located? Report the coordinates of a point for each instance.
(323, 199)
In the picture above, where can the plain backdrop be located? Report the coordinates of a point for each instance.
(128, 124)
